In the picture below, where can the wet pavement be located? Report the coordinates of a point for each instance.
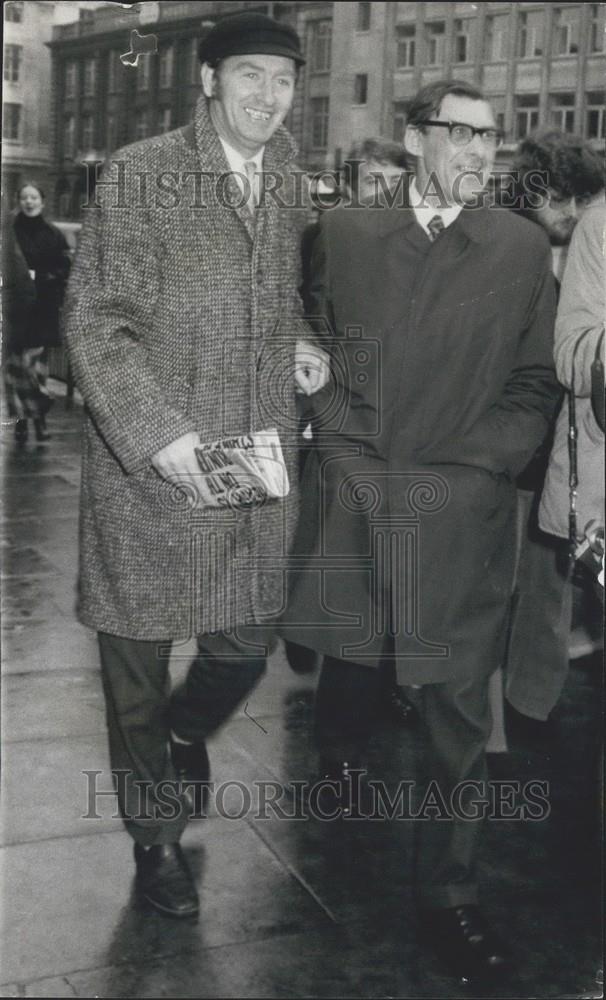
(289, 907)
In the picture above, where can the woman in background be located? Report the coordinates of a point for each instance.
(45, 251)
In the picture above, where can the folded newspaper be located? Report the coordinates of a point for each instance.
(244, 471)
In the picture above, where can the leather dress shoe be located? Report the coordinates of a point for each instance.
(400, 709)
(462, 939)
(192, 768)
(165, 881)
(346, 795)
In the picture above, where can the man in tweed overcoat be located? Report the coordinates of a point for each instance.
(183, 319)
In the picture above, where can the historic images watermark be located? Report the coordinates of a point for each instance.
(324, 801)
(116, 185)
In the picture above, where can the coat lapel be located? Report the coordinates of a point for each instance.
(279, 150)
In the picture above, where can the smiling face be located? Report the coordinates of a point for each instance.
(31, 201)
(250, 98)
(439, 158)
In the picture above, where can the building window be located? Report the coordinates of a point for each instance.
(526, 115)
(165, 118)
(495, 37)
(166, 67)
(319, 122)
(360, 88)
(400, 117)
(405, 52)
(461, 42)
(530, 35)
(597, 27)
(566, 29)
(114, 71)
(321, 34)
(12, 63)
(435, 36)
(64, 200)
(142, 124)
(363, 18)
(11, 122)
(87, 133)
(194, 63)
(71, 69)
(143, 72)
(595, 115)
(111, 133)
(69, 136)
(561, 112)
(90, 77)
(14, 12)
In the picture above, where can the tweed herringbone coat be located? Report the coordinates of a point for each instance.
(182, 316)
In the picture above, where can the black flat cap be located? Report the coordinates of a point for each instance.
(248, 33)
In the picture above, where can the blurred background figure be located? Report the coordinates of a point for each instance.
(46, 253)
(375, 167)
(579, 358)
(539, 644)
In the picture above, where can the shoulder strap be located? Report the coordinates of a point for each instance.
(573, 475)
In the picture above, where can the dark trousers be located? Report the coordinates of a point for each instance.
(456, 721)
(141, 711)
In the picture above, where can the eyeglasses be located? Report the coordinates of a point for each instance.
(462, 134)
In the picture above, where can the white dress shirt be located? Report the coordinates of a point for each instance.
(424, 212)
(236, 164)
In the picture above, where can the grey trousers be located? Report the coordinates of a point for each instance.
(141, 711)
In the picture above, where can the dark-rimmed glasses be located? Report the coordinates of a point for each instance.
(462, 134)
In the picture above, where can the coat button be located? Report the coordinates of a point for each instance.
(259, 277)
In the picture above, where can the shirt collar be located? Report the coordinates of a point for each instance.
(424, 212)
(236, 161)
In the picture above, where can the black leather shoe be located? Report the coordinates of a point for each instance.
(192, 768)
(462, 939)
(165, 881)
(21, 431)
(40, 429)
(400, 709)
(347, 793)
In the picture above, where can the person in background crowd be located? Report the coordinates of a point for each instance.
(184, 328)
(579, 350)
(437, 427)
(538, 651)
(46, 253)
(374, 168)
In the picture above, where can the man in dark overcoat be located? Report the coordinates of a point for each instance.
(439, 312)
(184, 328)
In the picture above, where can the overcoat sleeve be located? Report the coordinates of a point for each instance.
(507, 435)
(318, 305)
(581, 306)
(111, 301)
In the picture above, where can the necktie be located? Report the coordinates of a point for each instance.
(251, 170)
(435, 226)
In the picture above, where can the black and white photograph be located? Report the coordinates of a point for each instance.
(303, 502)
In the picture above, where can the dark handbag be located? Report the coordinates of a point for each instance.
(598, 393)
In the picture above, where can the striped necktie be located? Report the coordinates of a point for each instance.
(251, 172)
(435, 226)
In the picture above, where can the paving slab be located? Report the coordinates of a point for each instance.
(80, 890)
